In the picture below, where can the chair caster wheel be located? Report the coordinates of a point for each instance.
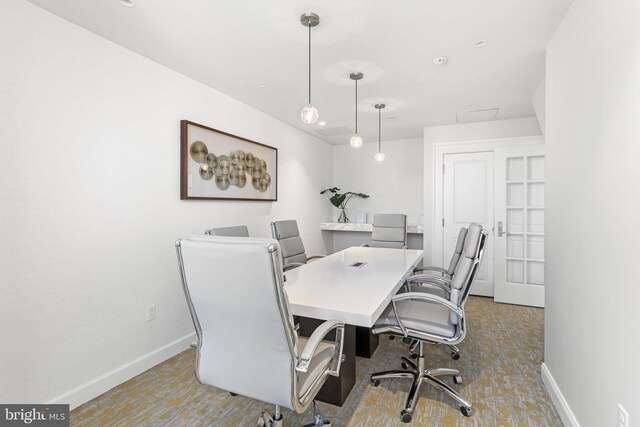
(455, 356)
(375, 383)
(414, 355)
(457, 379)
(406, 340)
(392, 337)
(405, 417)
(233, 394)
(404, 365)
(465, 411)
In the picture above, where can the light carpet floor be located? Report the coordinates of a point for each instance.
(500, 365)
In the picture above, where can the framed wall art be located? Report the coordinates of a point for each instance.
(216, 165)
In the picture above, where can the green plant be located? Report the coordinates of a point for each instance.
(340, 200)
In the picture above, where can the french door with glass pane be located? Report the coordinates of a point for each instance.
(519, 230)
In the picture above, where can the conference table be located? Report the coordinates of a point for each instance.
(354, 286)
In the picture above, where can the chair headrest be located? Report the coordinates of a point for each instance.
(235, 231)
(460, 242)
(471, 241)
(286, 228)
(390, 220)
(234, 240)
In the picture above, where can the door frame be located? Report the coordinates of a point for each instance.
(440, 149)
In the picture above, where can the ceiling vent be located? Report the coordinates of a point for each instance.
(477, 115)
(329, 132)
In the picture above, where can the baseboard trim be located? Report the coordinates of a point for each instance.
(103, 383)
(566, 414)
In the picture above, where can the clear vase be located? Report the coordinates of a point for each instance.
(343, 216)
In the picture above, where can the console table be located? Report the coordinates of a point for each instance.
(338, 235)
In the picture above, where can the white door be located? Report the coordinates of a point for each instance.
(468, 197)
(519, 232)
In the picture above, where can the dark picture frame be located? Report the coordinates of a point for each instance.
(217, 165)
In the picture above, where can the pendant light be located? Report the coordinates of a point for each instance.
(309, 113)
(379, 155)
(356, 140)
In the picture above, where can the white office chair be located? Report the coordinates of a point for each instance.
(429, 318)
(293, 252)
(235, 231)
(389, 231)
(423, 281)
(282, 369)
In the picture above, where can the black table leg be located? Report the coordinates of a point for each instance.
(336, 389)
(366, 342)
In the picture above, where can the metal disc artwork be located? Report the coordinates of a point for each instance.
(258, 170)
(237, 157)
(212, 160)
(222, 182)
(256, 183)
(267, 179)
(206, 172)
(233, 175)
(233, 169)
(198, 151)
(249, 160)
(223, 167)
(263, 185)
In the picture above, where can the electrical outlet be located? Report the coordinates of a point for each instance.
(151, 312)
(623, 417)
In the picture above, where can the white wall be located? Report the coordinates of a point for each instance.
(395, 185)
(90, 209)
(538, 101)
(592, 340)
(462, 133)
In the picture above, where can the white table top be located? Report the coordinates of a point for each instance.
(329, 288)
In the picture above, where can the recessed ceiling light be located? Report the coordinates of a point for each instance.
(480, 43)
(440, 60)
(128, 3)
(263, 84)
(322, 123)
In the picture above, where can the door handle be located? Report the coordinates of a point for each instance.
(501, 231)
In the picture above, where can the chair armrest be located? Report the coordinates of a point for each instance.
(426, 278)
(314, 341)
(315, 256)
(420, 296)
(291, 265)
(444, 271)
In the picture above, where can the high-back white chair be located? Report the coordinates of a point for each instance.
(423, 280)
(453, 262)
(288, 235)
(430, 318)
(285, 370)
(389, 231)
(234, 231)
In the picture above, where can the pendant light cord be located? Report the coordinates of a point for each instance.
(309, 24)
(356, 106)
(379, 127)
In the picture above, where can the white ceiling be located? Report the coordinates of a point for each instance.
(233, 46)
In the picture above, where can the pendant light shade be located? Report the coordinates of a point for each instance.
(309, 113)
(356, 140)
(379, 155)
